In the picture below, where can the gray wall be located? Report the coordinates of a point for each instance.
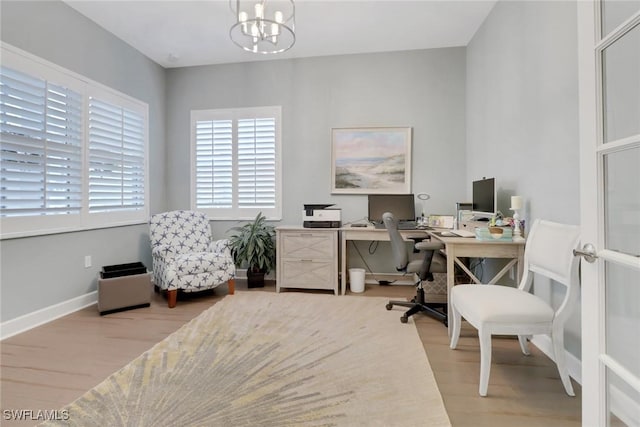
(423, 89)
(522, 115)
(38, 272)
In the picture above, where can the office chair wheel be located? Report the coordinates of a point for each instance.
(404, 319)
(389, 306)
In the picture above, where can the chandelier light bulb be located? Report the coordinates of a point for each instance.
(263, 26)
(242, 17)
(259, 11)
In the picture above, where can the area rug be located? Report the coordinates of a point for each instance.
(267, 359)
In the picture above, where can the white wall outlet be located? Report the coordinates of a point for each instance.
(87, 261)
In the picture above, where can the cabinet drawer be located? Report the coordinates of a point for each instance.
(307, 274)
(308, 245)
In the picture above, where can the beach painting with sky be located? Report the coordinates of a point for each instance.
(371, 160)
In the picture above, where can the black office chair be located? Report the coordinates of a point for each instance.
(432, 262)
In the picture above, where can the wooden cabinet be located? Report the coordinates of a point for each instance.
(307, 258)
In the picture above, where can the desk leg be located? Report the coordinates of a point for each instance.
(451, 275)
(343, 265)
(520, 268)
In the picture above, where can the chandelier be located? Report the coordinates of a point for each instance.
(263, 26)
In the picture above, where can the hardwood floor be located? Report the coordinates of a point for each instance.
(52, 365)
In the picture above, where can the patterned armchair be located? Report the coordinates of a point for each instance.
(184, 257)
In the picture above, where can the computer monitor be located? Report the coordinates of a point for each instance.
(402, 206)
(484, 197)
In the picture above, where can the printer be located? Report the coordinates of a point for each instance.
(320, 216)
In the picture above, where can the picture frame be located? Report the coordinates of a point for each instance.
(371, 160)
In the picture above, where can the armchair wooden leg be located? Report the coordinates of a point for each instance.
(232, 286)
(172, 298)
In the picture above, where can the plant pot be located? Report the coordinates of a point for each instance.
(255, 279)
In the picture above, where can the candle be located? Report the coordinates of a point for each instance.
(516, 202)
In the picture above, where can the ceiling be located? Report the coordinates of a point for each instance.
(179, 33)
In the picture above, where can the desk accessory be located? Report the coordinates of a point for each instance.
(441, 221)
(516, 206)
(494, 233)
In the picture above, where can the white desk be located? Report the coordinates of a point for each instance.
(367, 234)
(455, 248)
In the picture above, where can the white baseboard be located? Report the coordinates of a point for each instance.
(40, 317)
(574, 365)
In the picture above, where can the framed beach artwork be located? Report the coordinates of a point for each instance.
(371, 160)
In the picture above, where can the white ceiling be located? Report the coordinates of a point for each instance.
(179, 33)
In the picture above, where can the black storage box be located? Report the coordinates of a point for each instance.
(119, 270)
(123, 287)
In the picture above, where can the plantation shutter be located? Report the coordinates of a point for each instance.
(214, 164)
(116, 158)
(235, 172)
(40, 146)
(256, 163)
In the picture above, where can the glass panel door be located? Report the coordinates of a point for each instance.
(621, 86)
(614, 13)
(610, 210)
(619, 152)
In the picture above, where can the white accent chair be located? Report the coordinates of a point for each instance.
(503, 310)
(185, 257)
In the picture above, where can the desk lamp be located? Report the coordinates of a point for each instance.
(516, 206)
(422, 196)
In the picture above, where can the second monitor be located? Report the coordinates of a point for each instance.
(402, 206)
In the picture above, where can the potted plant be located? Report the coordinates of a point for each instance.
(253, 245)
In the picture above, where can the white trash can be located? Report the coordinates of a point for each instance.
(356, 279)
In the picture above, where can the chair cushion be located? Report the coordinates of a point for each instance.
(500, 304)
(200, 262)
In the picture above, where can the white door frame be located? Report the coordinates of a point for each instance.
(594, 358)
(589, 208)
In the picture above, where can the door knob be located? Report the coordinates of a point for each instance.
(588, 252)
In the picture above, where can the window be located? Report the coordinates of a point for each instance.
(73, 152)
(116, 158)
(41, 128)
(236, 162)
